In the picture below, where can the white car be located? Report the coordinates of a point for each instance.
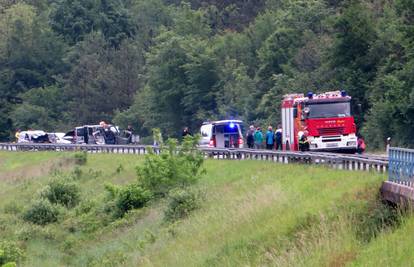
(222, 134)
(58, 138)
(35, 136)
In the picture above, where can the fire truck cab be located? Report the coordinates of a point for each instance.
(326, 117)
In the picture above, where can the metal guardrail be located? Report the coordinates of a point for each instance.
(338, 161)
(401, 166)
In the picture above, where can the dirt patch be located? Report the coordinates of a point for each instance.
(33, 171)
(342, 259)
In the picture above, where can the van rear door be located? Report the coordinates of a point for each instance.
(227, 135)
(206, 134)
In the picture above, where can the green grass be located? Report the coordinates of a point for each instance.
(253, 213)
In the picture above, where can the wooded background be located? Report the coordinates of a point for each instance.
(171, 63)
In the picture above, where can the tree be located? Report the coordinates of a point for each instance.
(75, 19)
(102, 78)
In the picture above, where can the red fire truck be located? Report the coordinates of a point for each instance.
(326, 117)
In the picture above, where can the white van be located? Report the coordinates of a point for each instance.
(222, 134)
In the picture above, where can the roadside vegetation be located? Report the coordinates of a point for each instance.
(105, 211)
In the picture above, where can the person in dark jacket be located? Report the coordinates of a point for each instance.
(250, 137)
(186, 132)
(129, 132)
(278, 138)
(109, 135)
(304, 142)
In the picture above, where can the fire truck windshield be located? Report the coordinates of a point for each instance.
(329, 110)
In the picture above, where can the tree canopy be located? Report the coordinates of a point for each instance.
(171, 63)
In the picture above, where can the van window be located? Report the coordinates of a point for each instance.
(205, 130)
(220, 129)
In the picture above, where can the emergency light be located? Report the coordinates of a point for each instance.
(231, 125)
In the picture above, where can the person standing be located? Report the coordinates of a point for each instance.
(17, 135)
(304, 142)
(258, 138)
(278, 138)
(186, 132)
(250, 137)
(129, 133)
(361, 145)
(270, 138)
(109, 135)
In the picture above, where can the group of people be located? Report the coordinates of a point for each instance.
(271, 139)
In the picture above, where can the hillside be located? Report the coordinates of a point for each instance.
(168, 64)
(252, 213)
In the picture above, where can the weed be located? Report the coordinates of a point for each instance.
(375, 218)
(119, 169)
(182, 203)
(9, 253)
(131, 197)
(81, 158)
(77, 173)
(174, 167)
(61, 192)
(93, 174)
(41, 212)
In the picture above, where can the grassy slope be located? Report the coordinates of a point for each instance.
(254, 213)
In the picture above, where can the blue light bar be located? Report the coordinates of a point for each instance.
(231, 125)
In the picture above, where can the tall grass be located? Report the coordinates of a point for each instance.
(253, 213)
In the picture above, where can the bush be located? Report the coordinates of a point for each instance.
(174, 167)
(10, 253)
(61, 192)
(41, 212)
(182, 203)
(131, 197)
(81, 158)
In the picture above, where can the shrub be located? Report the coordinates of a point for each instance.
(182, 203)
(41, 212)
(10, 253)
(62, 192)
(81, 158)
(174, 167)
(131, 197)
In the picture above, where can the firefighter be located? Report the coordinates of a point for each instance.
(278, 138)
(303, 141)
(17, 135)
(361, 145)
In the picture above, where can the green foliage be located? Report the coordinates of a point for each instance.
(124, 199)
(132, 197)
(10, 254)
(168, 63)
(41, 212)
(62, 192)
(81, 158)
(176, 166)
(182, 202)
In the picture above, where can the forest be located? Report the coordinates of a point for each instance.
(170, 63)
